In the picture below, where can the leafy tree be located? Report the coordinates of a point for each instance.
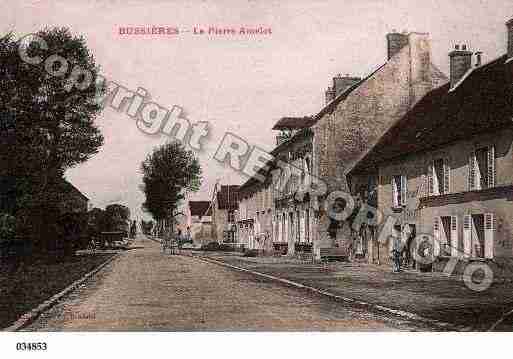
(116, 217)
(96, 222)
(54, 125)
(146, 226)
(168, 172)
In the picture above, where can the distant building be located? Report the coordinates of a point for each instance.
(224, 206)
(72, 200)
(199, 220)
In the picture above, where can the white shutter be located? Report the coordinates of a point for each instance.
(404, 190)
(394, 193)
(430, 180)
(490, 227)
(491, 166)
(454, 237)
(437, 234)
(467, 235)
(472, 172)
(447, 177)
(301, 226)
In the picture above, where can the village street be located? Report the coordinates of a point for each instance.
(144, 289)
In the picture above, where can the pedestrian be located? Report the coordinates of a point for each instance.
(396, 254)
(188, 235)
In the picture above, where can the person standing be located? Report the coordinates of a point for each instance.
(396, 253)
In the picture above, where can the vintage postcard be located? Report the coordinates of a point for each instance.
(302, 167)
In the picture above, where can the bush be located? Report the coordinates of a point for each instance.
(9, 244)
(214, 246)
(7, 227)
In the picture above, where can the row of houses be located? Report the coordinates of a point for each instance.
(418, 154)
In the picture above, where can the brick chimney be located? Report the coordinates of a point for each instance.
(509, 26)
(342, 83)
(461, 62)
(395, 42)
(329, 95)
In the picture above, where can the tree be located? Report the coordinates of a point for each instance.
(168, 172)
(54, 125)
(146, 227)
(116, 217)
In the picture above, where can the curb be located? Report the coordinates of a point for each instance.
(33, 314)
(325, 293)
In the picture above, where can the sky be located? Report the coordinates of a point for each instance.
(240, 84)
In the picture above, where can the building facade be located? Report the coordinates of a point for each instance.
(199, 221)
(321, 148)
(224, 207)
(444, 173)
(353, 122)
(254, 216)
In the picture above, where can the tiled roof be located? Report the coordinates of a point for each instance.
(483, 102)
(200, 208)
(68, 187)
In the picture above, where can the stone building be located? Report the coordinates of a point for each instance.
(443, 174)
(224, 205)
(254, 217)
(320, 148)
(355, 119)
(293, 217)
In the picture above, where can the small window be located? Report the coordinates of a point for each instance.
(439, 177)
(482, 169)
(399, 190)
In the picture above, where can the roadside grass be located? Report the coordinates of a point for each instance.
(26, 284)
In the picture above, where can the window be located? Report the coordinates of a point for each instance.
(439, 177)
(231, 216)
(307, 225)
(478, 235)
(399, 189)
(446, 234)
(298, 226)
(482, 169)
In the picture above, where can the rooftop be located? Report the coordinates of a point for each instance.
(481, 103)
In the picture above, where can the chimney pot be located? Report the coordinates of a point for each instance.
(509, 26)
(329, 95)
(456, 47)
(479, 55)
(342, 83)
(460, 63)
(395, 42)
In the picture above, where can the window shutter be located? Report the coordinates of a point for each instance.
(404, 190)
(490, 227)
(302, 226)
(430, 179)
(491, 167)
(447, 177)
(394, 193)
(467, 235)
(454, 237)
(437, 236)
(472, 172)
